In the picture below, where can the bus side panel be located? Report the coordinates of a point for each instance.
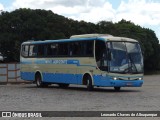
(60, 73)
(99, 80)
(51, 77)
(73, 78)
(26, 71)
(27, 76)
(80, 79)
(62, 78)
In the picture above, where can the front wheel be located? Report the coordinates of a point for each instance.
(117, 88)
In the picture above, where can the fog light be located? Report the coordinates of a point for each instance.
(114, 78)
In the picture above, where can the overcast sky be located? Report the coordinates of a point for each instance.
(145, 13)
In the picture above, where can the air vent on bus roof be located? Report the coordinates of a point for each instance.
(90, 35)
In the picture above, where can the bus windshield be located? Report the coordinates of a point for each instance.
(125, 57)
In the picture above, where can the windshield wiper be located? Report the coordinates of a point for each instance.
(127, 69)
(132, 63)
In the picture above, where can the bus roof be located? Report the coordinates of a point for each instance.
(104, 37)
(107, 37)
(90, 35)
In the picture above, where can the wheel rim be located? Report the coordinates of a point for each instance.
(88, 83)
(38, 81)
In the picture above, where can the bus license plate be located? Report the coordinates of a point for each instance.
(129, 84)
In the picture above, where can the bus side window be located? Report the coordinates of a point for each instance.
(88, 48)
(41, 50)
(25, 49)
(63, 49)
(52, 49)
(74, 49)
(48, 50)
(32, 50)
(70, 49)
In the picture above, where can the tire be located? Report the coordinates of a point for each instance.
(89, 84)
(117, 88)
(63, 85)
(39, 82)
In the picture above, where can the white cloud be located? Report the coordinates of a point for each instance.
(62, 10)
(45, 4)
(141, 12)
(88, 10)
(59, 6)
(96, 14)
(1, 7)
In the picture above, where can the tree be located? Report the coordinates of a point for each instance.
(27, 24)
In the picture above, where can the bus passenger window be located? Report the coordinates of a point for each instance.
(32, 50)
(51, 49)
(62, 49)
(41, 50)
(74, 49)
(88, 48)
(70, 48)
(25, 49)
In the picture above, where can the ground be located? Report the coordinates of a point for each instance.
(27, 97)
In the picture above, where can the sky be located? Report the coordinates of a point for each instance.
(145, 13)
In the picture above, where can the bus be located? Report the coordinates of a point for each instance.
(99, 60)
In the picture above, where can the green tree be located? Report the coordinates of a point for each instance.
(27, 24)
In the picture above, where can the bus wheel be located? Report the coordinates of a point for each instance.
(39, 82)
(117, 88)
(63, 85)
(89, 84)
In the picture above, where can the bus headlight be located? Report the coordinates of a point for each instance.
(114, 78)
(139, 78)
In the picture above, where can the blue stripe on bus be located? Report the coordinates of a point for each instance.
(63, 78)
(28, 76)
(98, 80)
(54, 77)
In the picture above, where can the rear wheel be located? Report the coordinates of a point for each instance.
(117, 88)
(39, 82)
(89, 84)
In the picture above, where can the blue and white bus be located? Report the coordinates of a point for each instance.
(89, 59)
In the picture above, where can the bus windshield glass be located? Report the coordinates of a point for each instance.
(125, 57)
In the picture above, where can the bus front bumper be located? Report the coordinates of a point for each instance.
(126, 83)
(108, 82)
